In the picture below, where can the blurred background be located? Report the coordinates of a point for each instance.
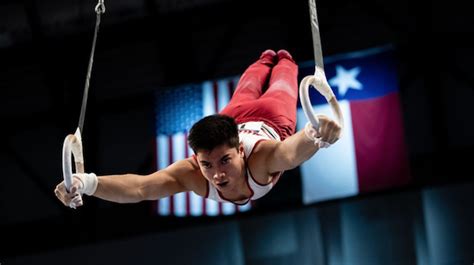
(154, 49)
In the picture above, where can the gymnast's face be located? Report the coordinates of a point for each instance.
(223, 166)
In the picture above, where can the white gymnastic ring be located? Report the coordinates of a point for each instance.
(72, 145)
(319, 82)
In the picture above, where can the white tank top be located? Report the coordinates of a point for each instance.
(250, 134)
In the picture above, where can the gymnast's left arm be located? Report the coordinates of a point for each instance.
(298, 148)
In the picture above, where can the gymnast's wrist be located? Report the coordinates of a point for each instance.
(88, 183)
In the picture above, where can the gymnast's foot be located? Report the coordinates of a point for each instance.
(268, 57)
(284, 54)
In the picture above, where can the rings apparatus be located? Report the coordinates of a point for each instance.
(73, 142)
(318, 80)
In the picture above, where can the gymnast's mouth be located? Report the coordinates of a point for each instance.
(222, 184)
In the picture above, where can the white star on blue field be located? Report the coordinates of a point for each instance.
(346, 79)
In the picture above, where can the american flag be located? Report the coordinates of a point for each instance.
(177, 109)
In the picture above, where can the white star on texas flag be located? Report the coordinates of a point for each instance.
(346, 79)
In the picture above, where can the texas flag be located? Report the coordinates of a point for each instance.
(371, 155)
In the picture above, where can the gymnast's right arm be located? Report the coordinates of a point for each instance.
(183, 175)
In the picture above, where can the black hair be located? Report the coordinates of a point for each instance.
(212, 131)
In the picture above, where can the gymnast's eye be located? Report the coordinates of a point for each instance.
(206, 165)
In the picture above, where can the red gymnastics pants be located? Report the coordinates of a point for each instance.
(277, 105)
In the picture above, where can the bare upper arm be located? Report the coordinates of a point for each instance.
(183, 175)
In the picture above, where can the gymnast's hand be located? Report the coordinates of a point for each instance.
(329, 131)
(81, 183)
(71, 199)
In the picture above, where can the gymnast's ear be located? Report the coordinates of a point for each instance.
(241, 150)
